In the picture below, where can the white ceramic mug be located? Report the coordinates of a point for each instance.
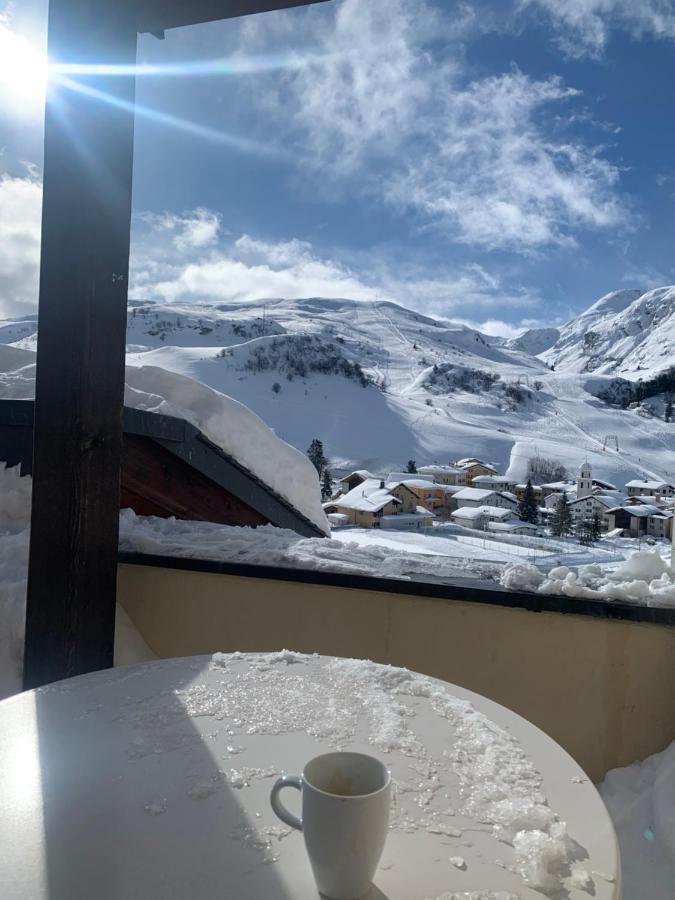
(345, 816)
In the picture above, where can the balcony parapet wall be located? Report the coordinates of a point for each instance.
(599, 681)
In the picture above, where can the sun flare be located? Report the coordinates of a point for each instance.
(23, 69)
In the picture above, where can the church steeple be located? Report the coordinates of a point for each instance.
(584, 481)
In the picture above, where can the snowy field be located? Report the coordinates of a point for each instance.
(455, 542)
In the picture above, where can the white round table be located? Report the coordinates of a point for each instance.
(153, 782)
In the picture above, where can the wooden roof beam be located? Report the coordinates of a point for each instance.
(156, 16)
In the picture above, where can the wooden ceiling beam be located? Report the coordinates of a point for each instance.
(156, 16)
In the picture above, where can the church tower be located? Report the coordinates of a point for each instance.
(584, 481)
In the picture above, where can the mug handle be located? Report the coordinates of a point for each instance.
(294, 781)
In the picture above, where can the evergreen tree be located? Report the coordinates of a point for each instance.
(326, 484)
(315, 453)
(561, 524)
(595, 526)
(528, 510)
(582, 530)
(411, 467)
(668, 412)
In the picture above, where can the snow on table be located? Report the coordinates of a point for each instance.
(154, 781)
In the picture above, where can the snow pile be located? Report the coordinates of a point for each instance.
(15, 498)
(642, 578)
(542, 859)
(268, 545)
(640, 801)
(226, 422)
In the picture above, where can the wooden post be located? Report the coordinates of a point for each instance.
(81, 345)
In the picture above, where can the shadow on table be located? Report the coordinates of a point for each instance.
(134, 803)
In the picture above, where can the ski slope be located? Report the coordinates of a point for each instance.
(426, 396)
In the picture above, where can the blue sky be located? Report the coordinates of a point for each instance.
(498, 163)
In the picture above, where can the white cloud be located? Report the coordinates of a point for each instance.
(198, 228)
(250, 268)
(584, 26)
(646, 277)
(20, 216)
(189, 257)
(245, 269)
(495, 327)
(454, 292)
(380, 111)
(496, 181)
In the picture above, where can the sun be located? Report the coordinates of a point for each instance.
(23, 71)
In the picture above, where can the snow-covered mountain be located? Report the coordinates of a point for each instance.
(380, 384)
(535, 340)
(629, 333)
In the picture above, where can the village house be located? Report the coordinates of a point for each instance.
(586, 497)
(586, 507)
(555, 488)
(494, 482)
(472, 467)
(479, 517)
(650, 499)
(444, 474)
(537, 490)
(349, 482)
(474, 497)
(639, 487)
(641, 519)
(373, 504)
(430, 495)
(450, 492)
(512, 527)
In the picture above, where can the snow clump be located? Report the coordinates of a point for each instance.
(643, 578)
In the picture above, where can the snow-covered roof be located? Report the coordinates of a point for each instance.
(648, 485)
(607, 502)
(607, 485)
(412, 483)
(228, 424)
(366, 497)
(653, 499)
(469, 461)
(511, 526)
(398, 477)
(420, 513)
(468, 493)
(338, 518)
(509, 496)
(492, 479)
(423, 511)
(644, 511)
(440, 470)
(560, 485)
(523, 485)
(363, 473)
(477, 512)
(235, 429)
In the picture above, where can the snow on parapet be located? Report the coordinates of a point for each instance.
(644, 578)
(226, 422)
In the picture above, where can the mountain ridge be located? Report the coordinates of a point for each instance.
(380, 384)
